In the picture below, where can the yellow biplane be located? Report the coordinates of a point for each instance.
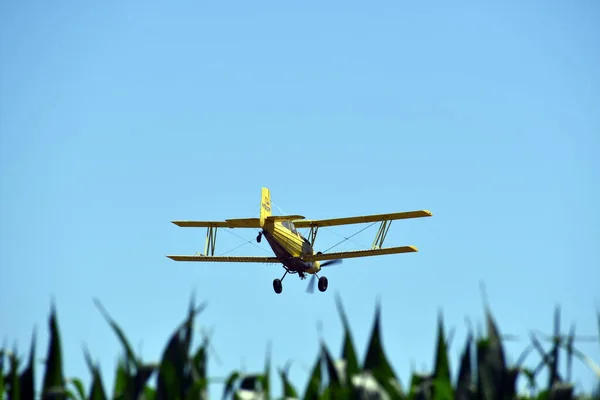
(292, 250)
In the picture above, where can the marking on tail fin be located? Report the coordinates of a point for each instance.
(265, 206)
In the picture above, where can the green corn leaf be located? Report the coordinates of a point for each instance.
(464, 384)
(171, 380)
(442, 366)
(54, 381)
(143, 374)
(332, 372)
(197, 392)
(421, 386)
(486, 386)
(266, 377)
(556, 340)
(150, 394)
(569, 348)
(348, 349)
(27, 378)
(97, 389)
(288, 389)
(230, 384)
(2, 377)
(530, 377)
(174, 372)
(314, 383)
(337, 386)
(510, 383)
(122, 385)
(131, 360)
(76, 382)
(326, 395)
(14, 391)
(596, 392)
(2, 385)
(168, 385)
(199, 364)
(442, 389)
(376, 362)
(493, 380)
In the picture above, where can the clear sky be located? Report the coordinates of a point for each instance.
(118, 117)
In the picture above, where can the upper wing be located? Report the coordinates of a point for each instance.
(285, 218)
(270, 260)
(361, 253)
(228, 223)
(307, 223)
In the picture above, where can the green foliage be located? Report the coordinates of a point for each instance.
(182, 371)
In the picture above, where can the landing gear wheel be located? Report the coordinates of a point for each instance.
(277, 286)
(258, 238)
(322, 284)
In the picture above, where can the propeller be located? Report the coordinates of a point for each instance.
(311, 283)
(331, 262)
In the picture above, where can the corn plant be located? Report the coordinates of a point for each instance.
(181, 373)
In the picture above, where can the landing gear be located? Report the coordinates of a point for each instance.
(322, 284)
(277, 285)
(259, 237)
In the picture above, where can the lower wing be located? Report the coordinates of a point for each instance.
(228, 223)
(361, 253)
(231, 259)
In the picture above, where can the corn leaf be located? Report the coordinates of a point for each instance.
(464, 384)
(54, 381)
(376, 362)
(78, 387)
(348, 349)
(314, 383)
(14, 391)
(130, 360)
(441, 373)
(288, 389)
(27, 378)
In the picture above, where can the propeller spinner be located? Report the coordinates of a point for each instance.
(322, 280)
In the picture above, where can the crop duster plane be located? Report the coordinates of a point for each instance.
(294, 251)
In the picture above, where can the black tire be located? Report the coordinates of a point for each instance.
(277, 286)
(323, 283)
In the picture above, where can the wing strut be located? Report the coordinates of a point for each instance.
(211, 241)
(381, 234)
(312, 236)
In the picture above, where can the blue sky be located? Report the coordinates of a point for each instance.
(120, 116)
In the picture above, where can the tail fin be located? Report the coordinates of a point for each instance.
(265, 206)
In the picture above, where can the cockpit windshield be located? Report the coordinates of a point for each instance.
(290, 226)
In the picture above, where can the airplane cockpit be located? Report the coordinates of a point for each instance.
(289, 225)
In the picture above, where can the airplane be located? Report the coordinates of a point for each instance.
(294, 251)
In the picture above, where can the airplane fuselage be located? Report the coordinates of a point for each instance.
(290, 246)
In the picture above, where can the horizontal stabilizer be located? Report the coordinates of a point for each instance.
(231, 259)
(361, 253)
(228, 223)
(307, 223)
